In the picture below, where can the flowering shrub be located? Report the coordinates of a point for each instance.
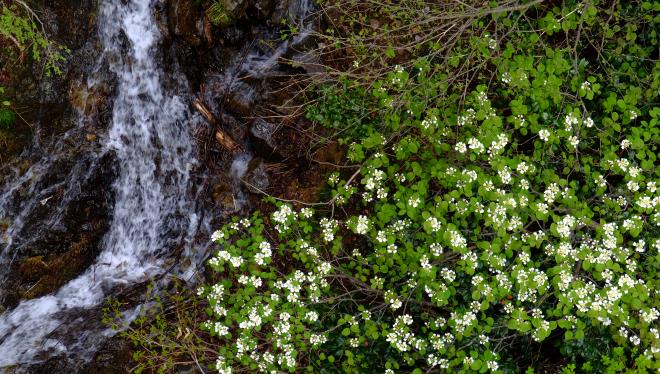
(523, 214)
(492, 223)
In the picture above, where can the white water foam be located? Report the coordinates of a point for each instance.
(152, 209)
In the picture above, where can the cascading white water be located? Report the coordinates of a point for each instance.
(152, 211)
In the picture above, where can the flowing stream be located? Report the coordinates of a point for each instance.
(153, 209)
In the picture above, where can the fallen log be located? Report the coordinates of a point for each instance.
(224, 139)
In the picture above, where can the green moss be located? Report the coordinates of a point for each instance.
(7, 118)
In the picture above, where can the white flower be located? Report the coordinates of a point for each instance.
(522, 167)
(390, 298)
(436, 249)
(306, 212)
(497, 145)
(434, 223)
(457, 240)
(475, 145)
(569, 121)
(264, 253)
(505, 175)
(634, 171)
(565, 226)
(381, 237)
(217, 236)
(589, 122)
(328, 228)
(317, 339)
(324, 268)
(651, 186)
(282, 217)
(220, 329)
(544, 135)
(236, 261)
(632, 186)
(424, 263)
(429, 122)
(362, 225)
(221, 366)
(392, 248)
(492, 43)
(550, 193)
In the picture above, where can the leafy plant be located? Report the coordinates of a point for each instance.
(25, 32)
(7, 116)
(504, 220)
(161, 345)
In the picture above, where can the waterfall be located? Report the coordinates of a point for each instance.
(153, 209)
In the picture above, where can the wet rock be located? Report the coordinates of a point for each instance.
(33, 268)
(59, 269)
(280, 11)
(264, 8)
(310, 62)
(223, 194)
(184, 17)
(262, 136)
(241, 99)
(236, 128)
(88, 100)
(51, 248)
(257, 174)
(114, 357)
(63, 14)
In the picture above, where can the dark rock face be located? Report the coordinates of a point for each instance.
(64, 206)
(51, 255)
(184, 21)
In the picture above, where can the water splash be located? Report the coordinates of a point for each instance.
(153, 210)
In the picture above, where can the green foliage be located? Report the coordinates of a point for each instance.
(7, 116)
(288, 29)
(24, 32)
(224, 12)
(217, 14)
(345, 110)
(504, 221)
(160, 345)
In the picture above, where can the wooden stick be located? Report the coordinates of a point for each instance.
(221, 137)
